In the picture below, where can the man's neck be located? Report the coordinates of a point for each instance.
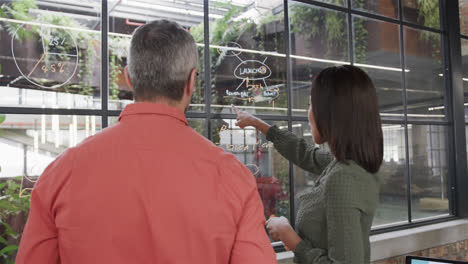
(179, 105)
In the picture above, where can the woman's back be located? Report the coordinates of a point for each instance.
(336, 211)
(334, 217)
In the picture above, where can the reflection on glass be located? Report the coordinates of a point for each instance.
(388, 8)
(393, 206)
(424, 78)
(319, 39)
(50, 55)
(125, 17)
(28, 143)
(428, 166)
(248, 60)
(269, 168)
(422, 12)
(377, 51)
(463, 7)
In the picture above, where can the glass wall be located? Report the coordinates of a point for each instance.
(28, 143)
(50, 54)
(126, 16)
(250, 55)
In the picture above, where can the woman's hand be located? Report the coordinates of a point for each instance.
(245, 119)
(277, 227)
(280, 229)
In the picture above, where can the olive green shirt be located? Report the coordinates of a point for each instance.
(334, 218)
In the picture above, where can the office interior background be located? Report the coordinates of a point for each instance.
(61, 80)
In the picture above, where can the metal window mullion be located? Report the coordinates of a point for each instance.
(350, 34)
(323, 4)
(104, 64)
(400, 226)
(207, 65)
(453, 73)
(450, 141)
(405, 109)
(287, 37)
(49, 111)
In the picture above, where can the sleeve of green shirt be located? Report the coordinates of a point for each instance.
(345, 241)
(305, 155)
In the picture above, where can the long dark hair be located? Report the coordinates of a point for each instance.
(346, 113)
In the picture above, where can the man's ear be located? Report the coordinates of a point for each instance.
(127, 78)
(190, 88)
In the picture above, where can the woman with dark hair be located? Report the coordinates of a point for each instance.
(334, 218)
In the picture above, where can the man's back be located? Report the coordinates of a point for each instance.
(147, 190)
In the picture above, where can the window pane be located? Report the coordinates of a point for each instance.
(377, 51)
(29, 143)
(248, 61)
(125, 17)
(422, 12)
(50, 54)
(269, 168)
(387, 8)
(424, 79)
(428, 166)
(393, 206)
(463, 6)
(319, 39)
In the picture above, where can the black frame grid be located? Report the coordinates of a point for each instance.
(458, 97)
(454, 122)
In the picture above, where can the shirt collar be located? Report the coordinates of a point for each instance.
(153, 109)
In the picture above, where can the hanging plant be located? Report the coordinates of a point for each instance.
(429, 17)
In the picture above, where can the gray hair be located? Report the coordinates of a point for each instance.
(161, 56)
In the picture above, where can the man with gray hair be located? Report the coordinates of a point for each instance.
(148, 189)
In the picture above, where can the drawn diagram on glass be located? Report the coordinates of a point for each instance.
(45, 56)
(27, 181)
(253, 74)
(25, 191)
(253, 168)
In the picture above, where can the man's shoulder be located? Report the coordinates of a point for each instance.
(107, 134)
(202, 146)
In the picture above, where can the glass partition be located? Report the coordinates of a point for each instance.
(50, 55)
(254, 55)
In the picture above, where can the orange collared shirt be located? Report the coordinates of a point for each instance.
(146, 190)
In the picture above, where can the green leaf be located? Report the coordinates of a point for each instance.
(3, 241)
(9, 249)
(2, 185)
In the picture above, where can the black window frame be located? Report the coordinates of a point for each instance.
(453, 85)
